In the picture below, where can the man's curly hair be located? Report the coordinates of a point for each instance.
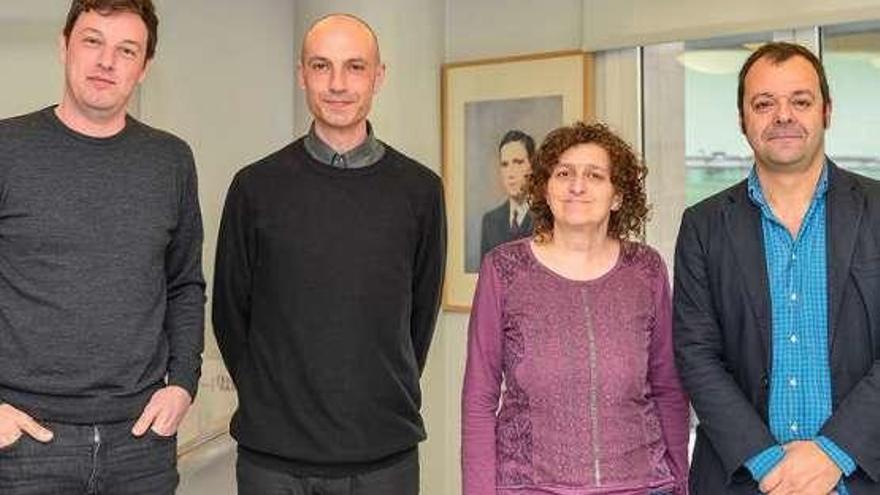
(627, 175)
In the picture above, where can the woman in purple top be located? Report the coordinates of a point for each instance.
(570, 386)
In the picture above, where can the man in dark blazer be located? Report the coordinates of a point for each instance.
(510, 220)
(777, 302)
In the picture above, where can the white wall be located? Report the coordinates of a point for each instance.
(485, 28)
(30, 72)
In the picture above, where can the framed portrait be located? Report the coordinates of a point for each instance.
(495, 114)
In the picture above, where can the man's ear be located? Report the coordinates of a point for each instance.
(380, 78)
(300, 77)
(144, 70)
(62, 49)
(827, 115)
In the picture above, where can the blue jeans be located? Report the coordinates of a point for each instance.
(102, 459)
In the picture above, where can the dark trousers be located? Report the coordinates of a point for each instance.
(103, 459)
(400, 478)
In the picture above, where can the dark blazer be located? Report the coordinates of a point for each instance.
(495, 229)
(722, 332)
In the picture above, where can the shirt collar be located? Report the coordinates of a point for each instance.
(520, 209)
(756, 193)
(363, 155)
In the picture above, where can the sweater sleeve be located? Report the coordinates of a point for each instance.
(185, 310)
(232, 278)
(672, 402)
(430, 263)
(482, 387)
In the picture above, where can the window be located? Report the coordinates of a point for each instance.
(692, 144)
(716, 153)
(712, 149)
(851, 55)
(690, 135)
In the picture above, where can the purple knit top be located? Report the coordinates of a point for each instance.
(570, 386)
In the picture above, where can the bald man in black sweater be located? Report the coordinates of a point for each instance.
(327, 285)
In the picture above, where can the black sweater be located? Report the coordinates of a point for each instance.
(326, 293)
(101, 288)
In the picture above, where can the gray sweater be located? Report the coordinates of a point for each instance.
(101, 287)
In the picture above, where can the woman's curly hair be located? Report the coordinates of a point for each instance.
(627, 175)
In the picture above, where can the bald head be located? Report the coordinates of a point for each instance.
(341, 24)
(341, 72)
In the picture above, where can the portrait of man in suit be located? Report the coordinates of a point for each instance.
(510, 220)
(501, 137)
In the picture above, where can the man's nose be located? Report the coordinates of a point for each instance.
(337, 81)
(107, 58)
(783, 112)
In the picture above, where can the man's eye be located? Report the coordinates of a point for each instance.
(762, 106)
(802, 103)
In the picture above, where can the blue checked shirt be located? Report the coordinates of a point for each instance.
(800, 380)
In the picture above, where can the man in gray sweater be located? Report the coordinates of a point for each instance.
(101, 287)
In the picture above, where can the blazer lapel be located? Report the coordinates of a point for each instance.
(525, 228)
(746, 237)
(502, 226)
(845, 205)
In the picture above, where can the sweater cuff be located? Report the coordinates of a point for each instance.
(187, 382)
(761, 464)
(838, 455)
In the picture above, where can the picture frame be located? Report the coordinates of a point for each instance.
(481, 102)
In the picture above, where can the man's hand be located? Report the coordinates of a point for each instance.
(164, 412)
(805, 470)
(14, 423)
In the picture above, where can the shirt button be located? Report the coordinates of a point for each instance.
(794, 296)
(793, 256)
(792, 382)
(794, 427)
(793, 339)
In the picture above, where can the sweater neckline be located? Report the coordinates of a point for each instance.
(332, 171)
(56, 124)
(618, 264)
